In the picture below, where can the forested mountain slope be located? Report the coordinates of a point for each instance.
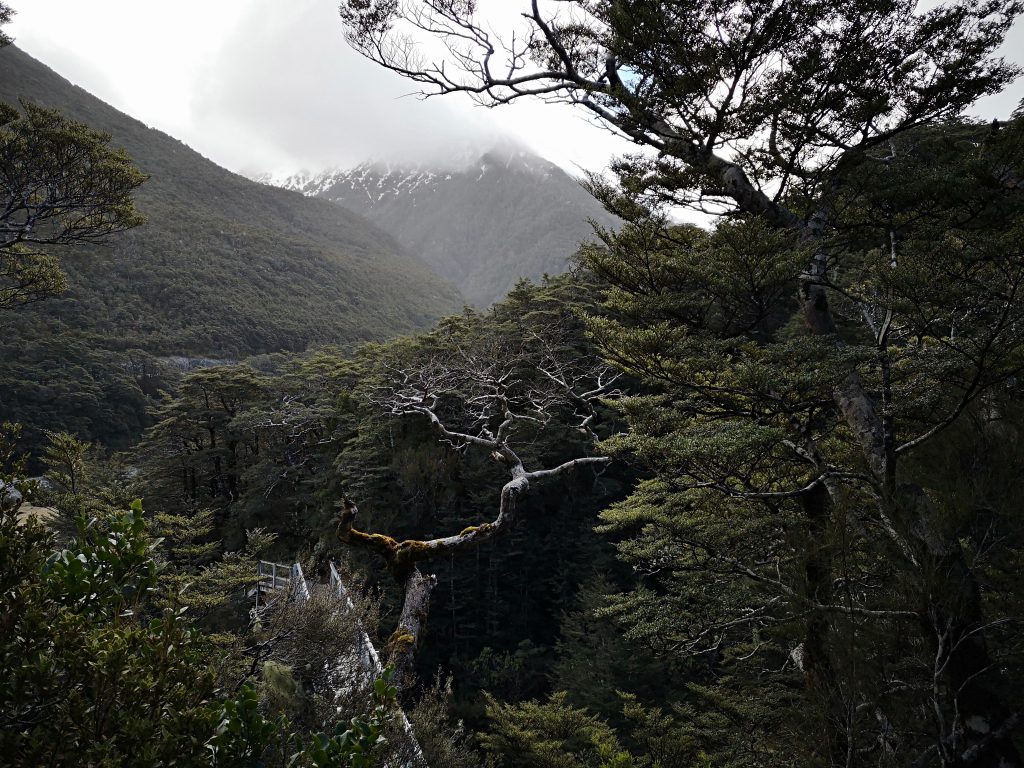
(503, 215)
(223, 268)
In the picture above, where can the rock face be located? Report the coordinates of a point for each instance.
(482, 223)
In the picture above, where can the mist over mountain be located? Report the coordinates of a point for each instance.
(482, 219)
(224, 268)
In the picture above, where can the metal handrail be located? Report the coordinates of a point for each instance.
(368, 652)
(271, 576)
(369, 658)
(298, 589)
(276, 572)
(297, 582)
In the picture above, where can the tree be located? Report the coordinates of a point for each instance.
(62, 184)
(315, 427)
(491, 390)
(738, 563)
(552, 735)
(6, 14)
(248, 445)
(85, 676)
(100, 664)
(857, 306)
(66, 460)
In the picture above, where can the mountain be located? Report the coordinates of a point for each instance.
(484, 224)
(224, 268)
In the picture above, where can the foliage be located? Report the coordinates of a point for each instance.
(819, 563)
(15, 487)
(65, 458)
(444, 744)
(732, 98)
(290, 438)
(738, 392)
(854, 315)
(551, 735)
(223, 268)
(89, 674)
(594, 661)
(252, 447)
(356, 743)
(6, 12)
(63, 185)
(244, 737)
(100, 666)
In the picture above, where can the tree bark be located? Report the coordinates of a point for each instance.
(405, 640)
(817, 665)
(979, 728)
(639, 117)
(402, 557)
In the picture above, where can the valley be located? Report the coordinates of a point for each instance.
(442, 455)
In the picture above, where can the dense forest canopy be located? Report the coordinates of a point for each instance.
(855, 312)
(737, 495)
(222, 269)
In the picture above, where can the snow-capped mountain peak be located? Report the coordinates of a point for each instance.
(483, 222)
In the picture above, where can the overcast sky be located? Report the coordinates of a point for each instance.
(269, 85)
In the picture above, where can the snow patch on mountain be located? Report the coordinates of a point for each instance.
(481, 219)
(377, 181)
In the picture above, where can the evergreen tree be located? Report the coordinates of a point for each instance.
(6, 12)
(62, 185)
(858, 303)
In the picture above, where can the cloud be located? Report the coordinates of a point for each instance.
(286, 92)
(269, 85)
(1001, 105)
